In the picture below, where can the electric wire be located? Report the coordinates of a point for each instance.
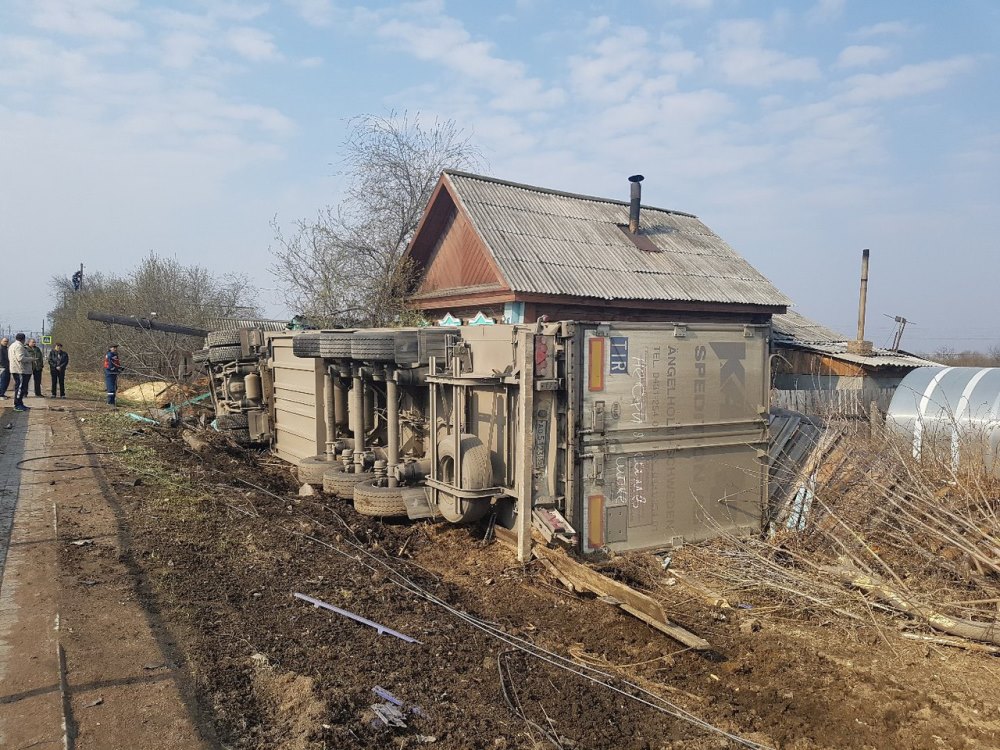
(584, 671)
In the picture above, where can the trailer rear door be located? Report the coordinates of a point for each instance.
(674, 441)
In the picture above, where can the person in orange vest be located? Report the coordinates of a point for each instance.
(112, 367)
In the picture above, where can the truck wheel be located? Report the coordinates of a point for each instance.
(229, 337)
(374, 347)
(342, 483)
(372, 500)
(477, 474)
(306, 344)
(335, 344)
(220, 354)
(311, 470)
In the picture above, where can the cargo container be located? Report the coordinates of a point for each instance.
(616, 436)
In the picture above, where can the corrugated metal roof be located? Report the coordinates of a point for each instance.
(880, 358)
(796, 330)
(549, 242)
(797, 327)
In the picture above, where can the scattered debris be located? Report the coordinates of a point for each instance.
(634, 602)
(382, 629)
(93, 703)
(307, 490)
(139, 418)
(82, 542)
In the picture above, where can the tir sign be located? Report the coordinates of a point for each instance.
(619, 355)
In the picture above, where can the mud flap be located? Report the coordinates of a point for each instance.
(417, 505)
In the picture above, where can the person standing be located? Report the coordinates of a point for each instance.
(112, 367)
(21, 367)
(37, 365)
(58, 361)
(4, 366)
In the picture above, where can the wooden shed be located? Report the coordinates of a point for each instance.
(489, 250)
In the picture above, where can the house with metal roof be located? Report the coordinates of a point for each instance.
(489, 250)
(815, 371)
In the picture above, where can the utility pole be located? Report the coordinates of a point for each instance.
(81, 277)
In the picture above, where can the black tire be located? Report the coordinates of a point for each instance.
(381, 502)
(230, 337)
(335, 344)
(311, 470)
(232, 421)
(222, 354)
(306, 345)
(200, 357)
(342, 483)
(477, 474)
(330, 478)
(374, 347)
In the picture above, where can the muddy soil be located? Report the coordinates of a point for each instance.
(275, 672)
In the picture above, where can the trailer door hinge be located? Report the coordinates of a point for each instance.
(680, 332)
(598, 468)
(598, 425)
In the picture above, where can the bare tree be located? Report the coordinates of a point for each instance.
(158, 287)
(347, 266)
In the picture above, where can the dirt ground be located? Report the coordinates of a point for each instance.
(219, 567)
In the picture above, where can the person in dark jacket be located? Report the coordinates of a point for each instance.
(4, 366)
(58, 361)
(37, 365)
(112, 367)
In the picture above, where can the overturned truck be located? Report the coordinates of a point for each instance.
(606, 435)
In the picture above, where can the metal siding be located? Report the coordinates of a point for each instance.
(551, 243)
(298, 419)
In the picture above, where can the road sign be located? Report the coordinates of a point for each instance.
(46, 341)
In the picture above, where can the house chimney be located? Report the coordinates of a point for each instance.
(636, 199)
(860, 346)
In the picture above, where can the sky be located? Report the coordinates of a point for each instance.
(800, 132)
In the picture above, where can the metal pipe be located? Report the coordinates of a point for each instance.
(146, 324)
(635, 200)
(358, 420)
(369, 406)
(392, 417)
(328, 414)
(340, 410)
(864, 295)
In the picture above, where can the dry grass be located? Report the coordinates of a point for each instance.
(926, 530)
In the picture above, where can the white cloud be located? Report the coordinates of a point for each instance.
(825, 11)
(311, 62)
(99, 19)
(741, 57)
(885, 28)
(182, 49)
(314, 12)
(444, 40)
(616, 67)
(861, 55)
(253, 44)
(688, 4)
(909, 80)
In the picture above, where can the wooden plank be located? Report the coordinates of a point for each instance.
(585, 579)
(634, 602)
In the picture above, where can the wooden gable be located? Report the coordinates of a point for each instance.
(452, 257)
